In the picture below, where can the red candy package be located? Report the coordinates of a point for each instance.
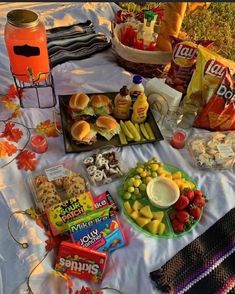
(81, 262)
(104, 200)
(184, 57)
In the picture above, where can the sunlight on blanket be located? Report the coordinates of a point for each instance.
(66, 20)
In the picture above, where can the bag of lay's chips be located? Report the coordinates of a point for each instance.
(219, 113)
(183, 62)
(207, 78)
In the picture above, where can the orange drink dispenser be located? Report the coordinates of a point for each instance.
(26, 43)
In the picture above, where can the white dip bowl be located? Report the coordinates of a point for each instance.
(162, 192)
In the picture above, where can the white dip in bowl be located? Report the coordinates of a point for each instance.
(162, 192)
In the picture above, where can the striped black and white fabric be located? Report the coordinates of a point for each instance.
(74, 42)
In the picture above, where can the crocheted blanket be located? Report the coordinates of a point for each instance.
(74, 42)
(207, 265)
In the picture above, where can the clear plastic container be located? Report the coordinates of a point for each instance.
(56, 183)
(104, 166)
(213, 151)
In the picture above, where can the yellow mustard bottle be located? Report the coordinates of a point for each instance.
(140, 109)
(122, 104)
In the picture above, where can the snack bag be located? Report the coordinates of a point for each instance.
(61, 214)
(206, 79)
(219, 112)
(184, 57)
(81, 262)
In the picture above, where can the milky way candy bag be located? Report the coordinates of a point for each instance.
(183, 62)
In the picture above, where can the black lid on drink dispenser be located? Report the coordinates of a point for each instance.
(22, 18)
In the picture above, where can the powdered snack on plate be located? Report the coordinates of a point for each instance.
(206, 80)
(183, 62)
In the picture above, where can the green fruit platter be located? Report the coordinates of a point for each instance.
(172, 222)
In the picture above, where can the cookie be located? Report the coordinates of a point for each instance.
(71, 180)
(50, 199)
(39, 180)
(75, 189)
(58, 183)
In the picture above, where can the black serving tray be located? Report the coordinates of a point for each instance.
(72, 147)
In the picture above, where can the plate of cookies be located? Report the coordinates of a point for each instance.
(55, 184)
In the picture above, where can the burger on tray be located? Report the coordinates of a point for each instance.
(101, 104)
(107, 126)
(83, 133)
(79, 106)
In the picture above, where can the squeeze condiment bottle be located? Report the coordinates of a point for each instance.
(140, 109)
(122, 104)
(136, 87)
(150, 18)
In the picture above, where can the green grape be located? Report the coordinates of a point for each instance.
(143, 174)
(131, 189)
(139, 170)
(126, 196)
(154, 167)
(130, 182)
(133, 197)
(154, 174)
(147, 180)
(137, 182)
(137, 191)
(137, 177)
(142, 187)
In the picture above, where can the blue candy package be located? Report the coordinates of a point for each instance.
(99, 230)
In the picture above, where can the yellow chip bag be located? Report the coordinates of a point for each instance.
(207, 77)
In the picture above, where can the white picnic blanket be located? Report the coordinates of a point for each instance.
(128, 268)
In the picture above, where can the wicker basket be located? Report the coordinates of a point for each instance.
(146, 63)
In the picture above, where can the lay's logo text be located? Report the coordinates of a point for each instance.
(184, 51)
(214, 68)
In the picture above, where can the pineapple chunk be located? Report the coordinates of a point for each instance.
(158, 215)
(152, 227)
(176, 175)
(137, 205)
(146, 211)
(127, 207)
(142, 221)
(134, 214)
(161, 228)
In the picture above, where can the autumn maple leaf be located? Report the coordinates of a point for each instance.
(48, 128)
(7, 149)
(11, 133)
(13, 93)
(26, 160)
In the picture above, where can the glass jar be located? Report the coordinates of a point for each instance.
(26, 43)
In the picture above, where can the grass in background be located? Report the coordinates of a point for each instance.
(215, 23)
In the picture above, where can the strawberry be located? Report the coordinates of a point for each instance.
(198, 193)
(172, 214)
(195, 212)
(177, 226)
(199, 201)
(181, 203)
(182, 216)
(189, 194)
